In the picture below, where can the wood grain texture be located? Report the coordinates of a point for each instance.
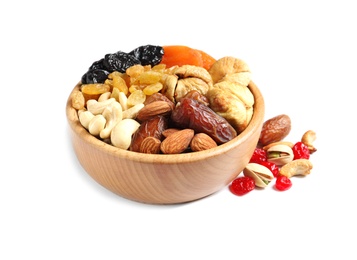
(165, 179)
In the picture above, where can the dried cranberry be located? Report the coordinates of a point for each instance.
(259, 155)
(301, 151)
(271, 166)
(242, 185)
(282, 183)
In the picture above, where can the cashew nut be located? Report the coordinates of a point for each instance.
(85, 117)
(96, 125)
(104, 96)
(296, 167)
(113, 114)
(133, 111)
(123, 99)
(98, 107)
(122, 133)
(308, 138)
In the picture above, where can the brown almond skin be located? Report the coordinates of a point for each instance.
(201, 142)
(152, 109)
(275, 129)
(177, 142)
(150, 145)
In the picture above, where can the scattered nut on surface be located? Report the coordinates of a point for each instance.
(280, 154)
(308, 138)
(296, 167)
(261, 175)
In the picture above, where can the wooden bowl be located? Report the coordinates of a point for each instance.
(165, 179)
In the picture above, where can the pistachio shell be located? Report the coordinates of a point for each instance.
(285, 152)
(259, 173)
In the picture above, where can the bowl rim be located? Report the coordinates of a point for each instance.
(84, 135)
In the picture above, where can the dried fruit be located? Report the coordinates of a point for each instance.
(177, 55)
(152, 127)
(190, 113)
(242, 185)
(301, 151)
(271, 166)
(259, 155)
(148, 54)
(283, 183)
(275, 129)
(93, 91)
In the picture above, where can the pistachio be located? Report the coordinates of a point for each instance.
(280, 154)
(261, 175)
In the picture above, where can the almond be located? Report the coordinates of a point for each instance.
(150, 145)
(153, 109)
(201, 142)
(177, 142)
(275, 129)
(169, 131)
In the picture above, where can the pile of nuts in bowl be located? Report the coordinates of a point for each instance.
(136, 102)
(275, 158)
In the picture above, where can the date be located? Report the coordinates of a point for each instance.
(151, 127)
(190, 113)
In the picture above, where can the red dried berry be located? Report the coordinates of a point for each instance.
(301, 151)
(272, 167)
(259, 155)
(242, 185)
(282, 183)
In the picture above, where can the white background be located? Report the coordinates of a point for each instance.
(303, 58)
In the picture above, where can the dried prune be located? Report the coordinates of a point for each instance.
(94, 76)
(148, 54)
(96, 73)
(97, 65)
(190, 113)
(119, 61)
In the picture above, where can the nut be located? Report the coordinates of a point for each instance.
(154, 109)
(280, 154)
(169, 131)
(113, 114)
(290, 144)
(275, 129)
(177, 142)
(262, 175)
(201, 142)
(96, 107)
(85, 117)
(96, 125)
(133, 111)
(296, 167)
(308, 138)
(122, 133)
(150, 145)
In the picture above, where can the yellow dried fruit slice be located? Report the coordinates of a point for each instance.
(153, 88)
(137, 97)
(93, 91)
